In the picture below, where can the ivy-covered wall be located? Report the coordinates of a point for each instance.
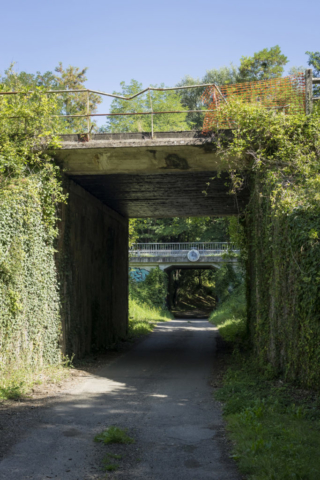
(284, 285)
(63, 254)
(68, 295)
(92, 261)
(29, 297)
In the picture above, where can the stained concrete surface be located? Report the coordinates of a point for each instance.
(165, 176)
(92, 258)
(160, 390)
(162, 195)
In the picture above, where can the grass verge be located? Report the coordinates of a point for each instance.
(16, 381)
(274, 426)
(143, 318)
(230, 317)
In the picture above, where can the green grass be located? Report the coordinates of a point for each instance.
(113, 435)
(110, 467)
(143, 318)
(230, 317)
(18, 379)
(276, 432)
(274, 427)
(107, 465)
(113, 455)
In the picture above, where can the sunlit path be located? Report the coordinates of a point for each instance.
(160, 391)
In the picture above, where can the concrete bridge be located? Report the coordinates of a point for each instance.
(167, 175)
(113, 177)
(110, 178)
(187, 255)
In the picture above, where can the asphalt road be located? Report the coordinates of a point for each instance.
(160, 391)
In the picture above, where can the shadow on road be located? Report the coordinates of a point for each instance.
(160, 391)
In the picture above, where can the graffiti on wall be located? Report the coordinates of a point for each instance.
(139, 274)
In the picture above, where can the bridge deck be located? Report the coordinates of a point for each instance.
(140, 176)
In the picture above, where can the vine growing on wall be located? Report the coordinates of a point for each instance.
(280, 154)
(30, 190)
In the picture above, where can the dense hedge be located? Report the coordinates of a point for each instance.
(29, 302)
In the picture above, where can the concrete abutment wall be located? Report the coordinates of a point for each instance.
(92, 263)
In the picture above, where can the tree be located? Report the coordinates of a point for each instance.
(314, 61)
(296, 70)
(161, 101)
(73, 78)
(191, 99)
(70, 78)
(192, 229)
(267, 63)
(15, 81)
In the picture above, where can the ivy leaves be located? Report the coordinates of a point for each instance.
(282, 234)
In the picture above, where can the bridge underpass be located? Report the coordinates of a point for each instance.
(109, 179)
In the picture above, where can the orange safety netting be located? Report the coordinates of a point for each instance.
(284, 94)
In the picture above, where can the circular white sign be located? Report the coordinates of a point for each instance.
(193, 255)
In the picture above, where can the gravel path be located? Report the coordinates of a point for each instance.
(160, 391)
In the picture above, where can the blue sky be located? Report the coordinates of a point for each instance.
(152, 42)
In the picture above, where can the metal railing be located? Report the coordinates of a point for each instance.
(88, 115)
(170, 249)
(309, 98)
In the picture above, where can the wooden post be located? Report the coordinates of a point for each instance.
(309, 91)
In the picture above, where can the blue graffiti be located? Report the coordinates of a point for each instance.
(138, 274)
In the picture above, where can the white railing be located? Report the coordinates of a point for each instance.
(205, 248)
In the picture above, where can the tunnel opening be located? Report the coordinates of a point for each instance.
(191, 292)
(187, 266)
(113, 181)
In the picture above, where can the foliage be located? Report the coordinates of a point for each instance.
(113, 435)
(18, 379)
(267, 63)
(191, 98)
(227, 279)
(110, 467)
(152, 291)
(161, 101)
(189, 229)
(230, 316)
(30, 188)
(70, 78)
(192, 289)
(282, 234)
(314, 61)
(133, 234)
(274, 429)
(143, 318)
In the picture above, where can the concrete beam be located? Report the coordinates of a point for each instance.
(107, 154)
(142, 262)
(173, 174)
